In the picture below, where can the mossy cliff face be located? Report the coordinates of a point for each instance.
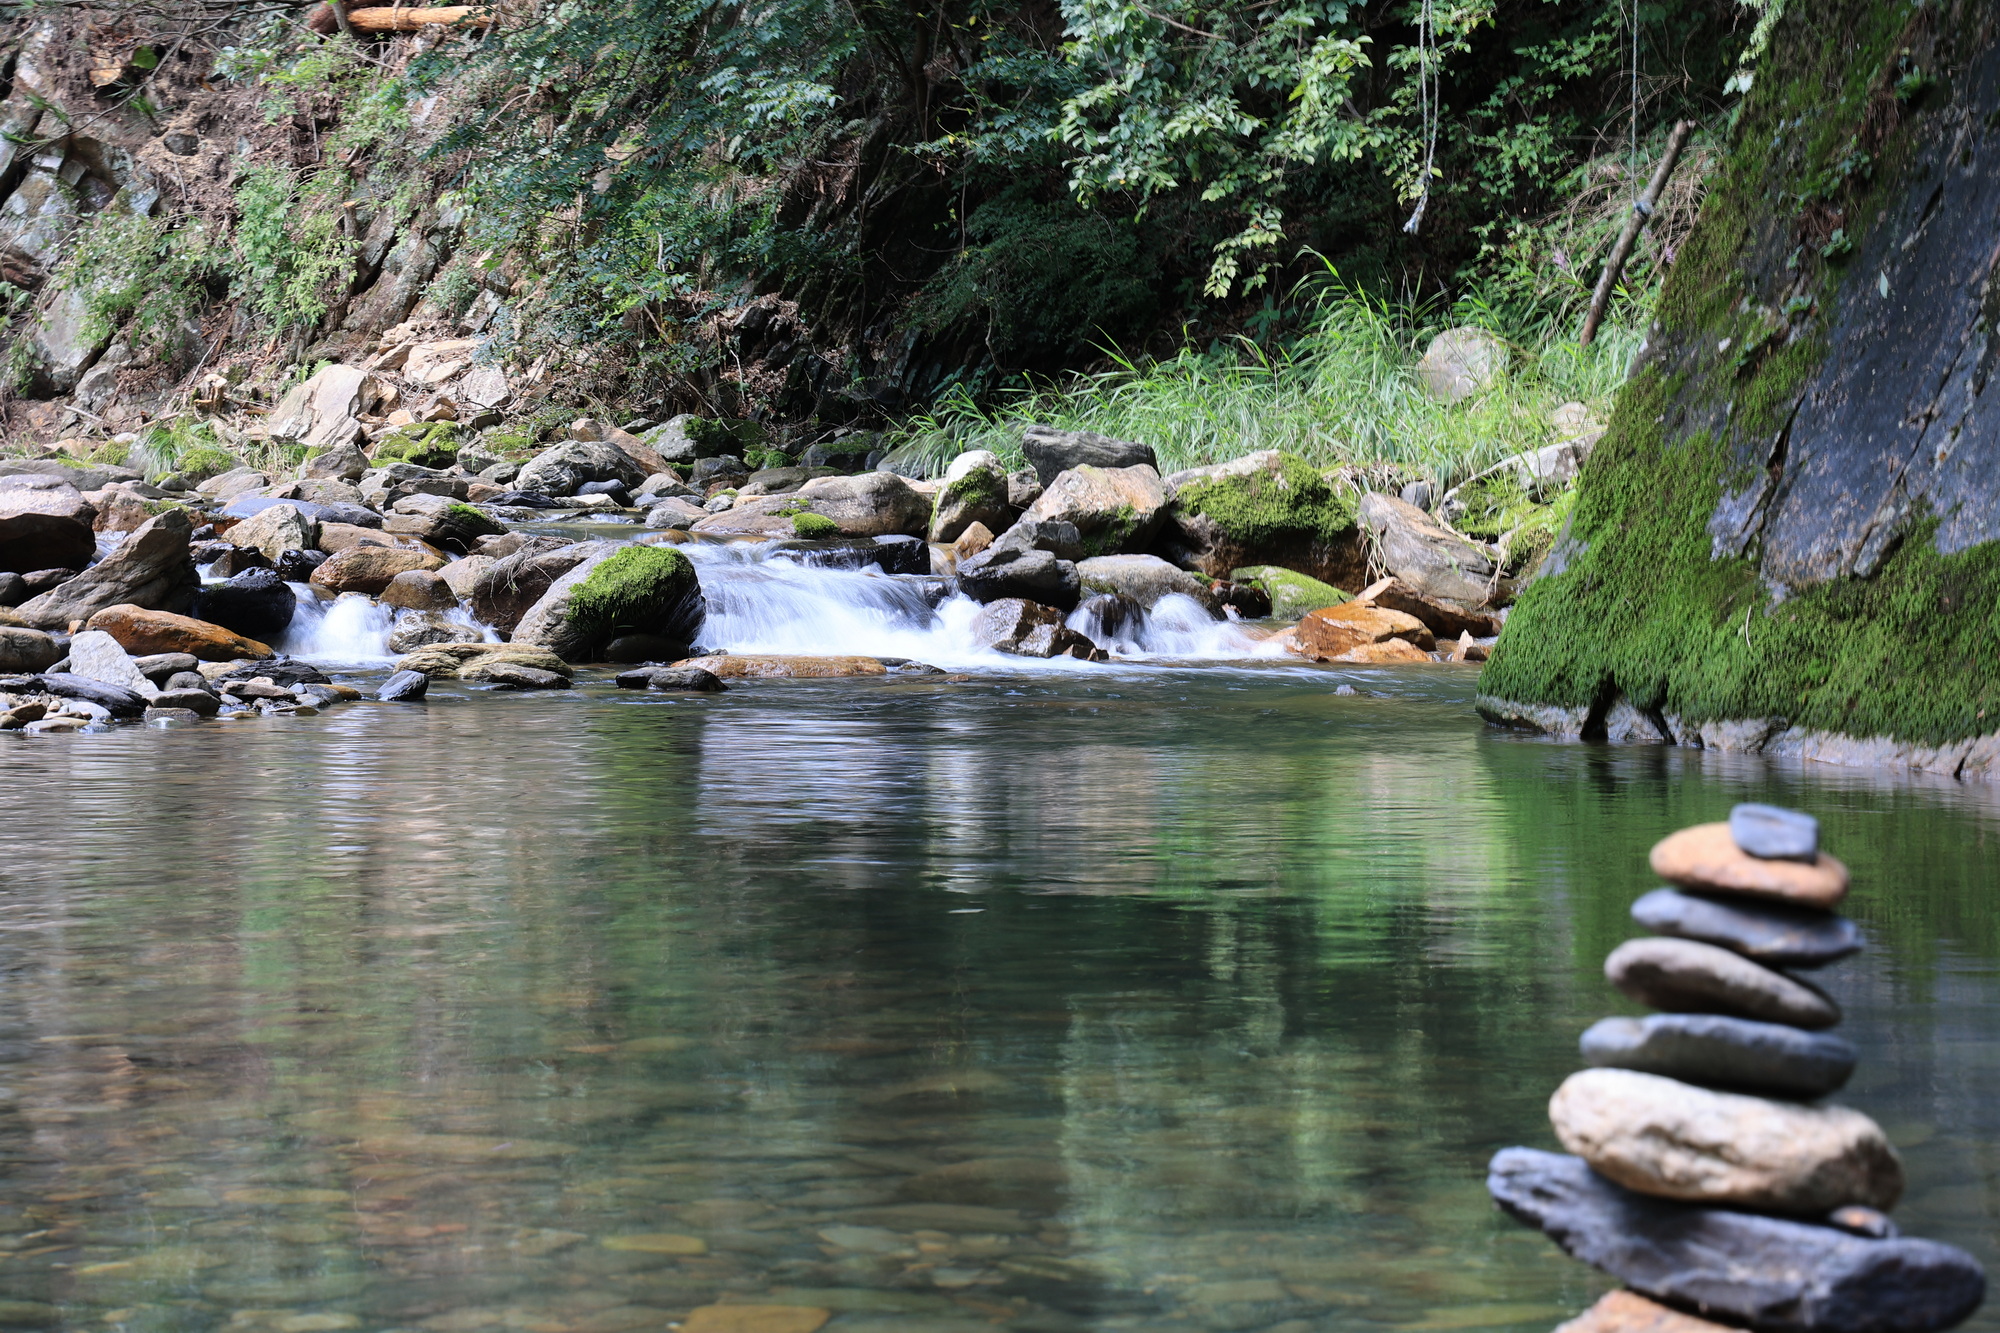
(1788, 535)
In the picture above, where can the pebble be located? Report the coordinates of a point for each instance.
(1766, 1272)
(1707, 857)
(1629, 1312)
(404, 687)
(1771, 933)
(1774, 833)
(1714, 1048)
(1682, 976)
(1673, 1140)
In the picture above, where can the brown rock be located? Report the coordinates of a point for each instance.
(142, 633)
(1629, 1312)
(120, 511)
(1389, 652)
(748, 1318)
(1686, 977)
(1706, 857)
(976, 538)
(1465, 650)
(370, 568)
(419, 590)
(512, 585)
(27, 650)
(1446, 620)
(1673, 1140)
(1431, 559)
(731, 665)
(448, 659)
(461, 574)
(151, 568)
(1332, 630)
(45, 523)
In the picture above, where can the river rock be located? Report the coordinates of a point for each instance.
(674, 512)
(503, 594)
(1772, 933)
(448, 659)
(462, 574)
(1445, 620)
(297, 566)
(114, 699)
(1265, 508)
(45, 523)
(1387, 652)
(1774, 833)
(441, 521)
(873, 504)
(974, 492)
(419, 629)
(1767, 1272)
(1707, 857)
(404, 687)
(558, 471)
(95, 655)
(256, 602)
(1004, 623)
(671, 678)
(1673, 1140)
(1324, 635)
(370, 568)
(1682, 976)
(1109, 618)
(1715, 1048)
(1052, 452)
(27, 650)
(234, 561)
(277, 529)
(340, 462)
(202, 703)
(161, 667)
(1431, 559)
(1143, 578)
(1056, 536)
(419, 590)
(1004, 571)
(1292, 594)
(142, 632)
(1460, 363)
(634, 590)
(1629, 1312)
(151, 569)
(730, 666)
(511, 675)
(1113, 508)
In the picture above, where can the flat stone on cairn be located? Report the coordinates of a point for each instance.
(1672, 1147)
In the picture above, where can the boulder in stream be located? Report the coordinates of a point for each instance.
(27, 650)
(559, 470)
(256, 602)
(369, 569)
(974, 491)
(1005, 571)
(150, 569)
(1430, 558)
(1145, 579)
(404, 687)
(697, 679)
(502, 594)
(1113, 508)
(142, 633)
(45, 523)
(636, 589)
(1052, 452)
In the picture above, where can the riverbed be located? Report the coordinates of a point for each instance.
(1130, 997)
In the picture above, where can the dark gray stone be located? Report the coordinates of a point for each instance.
(297, 566)
(1000, 572)
(721, 468)
(616, 490)
(257, 603)
(359, 516)
(160, 666)
(283, 671)
(1773, 832)
(161, 715)
(404, 687)
(1774, 1275)
(199, 702)
(515, 676)
(13, 588)
(1722, 1051)
(117, 701)
(1772, 933)
(1052, 451)
(893, 554)
(671, 678)
(1058, 537)
(187, 680)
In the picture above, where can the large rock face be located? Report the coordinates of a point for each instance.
(45, 523)
(324, 412)
(152, 569)
(1785, 540)
(1676, 1141)
(1769, 1273)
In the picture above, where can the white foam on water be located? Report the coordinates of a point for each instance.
(350, 628)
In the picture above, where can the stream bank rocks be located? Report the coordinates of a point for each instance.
(1695, 1174)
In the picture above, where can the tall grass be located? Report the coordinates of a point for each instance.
(1344, 393)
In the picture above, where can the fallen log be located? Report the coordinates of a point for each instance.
(396, 18)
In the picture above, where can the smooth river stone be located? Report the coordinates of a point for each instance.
(1767, 1272)
(1714, 1048)
(1773, 832)
(1684, 977)
(1673, 1140)
(1771, 933)
(1629, 1312)
(1707, 857)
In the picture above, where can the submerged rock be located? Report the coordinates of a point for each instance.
(1771, 933)
(1673, 1140)
(1682, 976)
(1715, 1048)
(1707, 857)
(1770, 1273)
(671, 678)
(404, 687)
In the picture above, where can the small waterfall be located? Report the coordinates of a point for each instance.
(760, 601)
(351, 628)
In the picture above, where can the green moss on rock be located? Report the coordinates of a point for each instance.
(1292, 594)
(814, 526)
(637, 590)
(432, 444)
(1257, 509)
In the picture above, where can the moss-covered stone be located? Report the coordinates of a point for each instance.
(814, 526)
(637, 590)
(1649, 595)
(199, 464)
(431, 444)
(1292, 594)
(1295, 501)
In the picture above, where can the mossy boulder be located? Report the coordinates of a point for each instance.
(1789, 538)
(1266, 508)
(1292, 594)
(974, 491)
(433, 444)
(650, 590)
(197, 465)
(814, 526)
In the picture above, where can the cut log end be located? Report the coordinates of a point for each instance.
(396, 18)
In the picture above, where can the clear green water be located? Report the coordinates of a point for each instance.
(1171, 1000)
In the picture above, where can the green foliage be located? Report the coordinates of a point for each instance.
(639, 589)
(511, 445)
(814, 527)
(128, 266)
(184, 446)
(1259, 508)
(758, 459)
(289, 251)
(430, 444)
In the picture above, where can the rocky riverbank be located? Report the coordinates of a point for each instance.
(127, 599)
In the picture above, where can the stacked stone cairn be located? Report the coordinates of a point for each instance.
(1706, 1175)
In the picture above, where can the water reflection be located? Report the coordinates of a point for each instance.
(1068, 1003)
